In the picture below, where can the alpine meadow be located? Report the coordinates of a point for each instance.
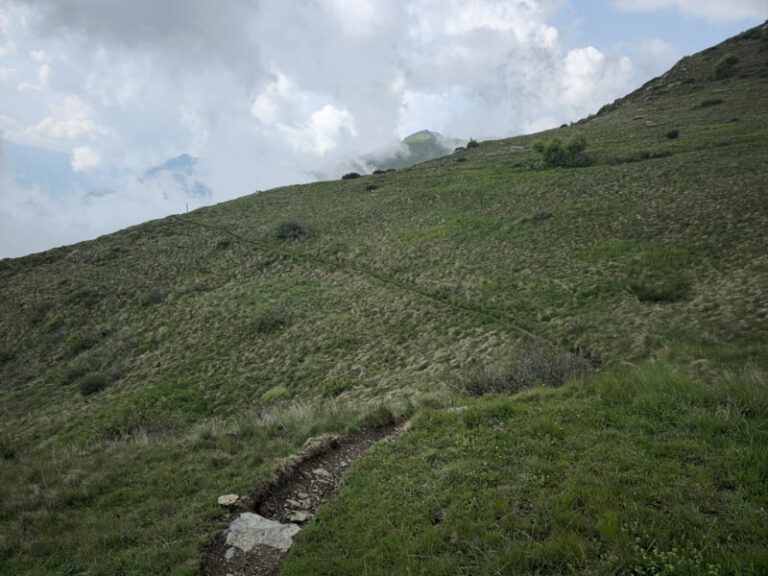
(566, 331)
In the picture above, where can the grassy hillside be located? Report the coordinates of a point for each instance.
(146, 372)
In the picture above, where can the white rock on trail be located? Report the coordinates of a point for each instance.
(228, 500)
(457, 409)
(251, 530)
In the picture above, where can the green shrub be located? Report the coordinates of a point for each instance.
(709, 102)
(276, 394)
(8, 450)
(672, 134)
(68, 375)
(270, 320)
(79, 342)
(86, 297)
(92, 382)
(40, 311)
(350, 176)
(724, 67)
(6, 355)
(54, 324)
(472, 143)
(153, 298)
(533, 364)
(660, 290)
(335, 386)
(292, 230)
(136, 423)
(558, 154)
(223, 243)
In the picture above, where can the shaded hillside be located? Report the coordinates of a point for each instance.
(146, 372)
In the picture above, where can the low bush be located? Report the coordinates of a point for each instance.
(635, 156)
(276, 394)
(8, 450)
(371, 187)
(292, 230)
(137, 423)
(270, 320)
(6, 355)
(672, 134)
(223, 243)
(86, 297)
(558, 154)
(653, 290)
(533, 364)
(335, 386)
(472, 143)
(40, 312)
(725, 66)
(709, 102)
(79, 342)
(92, 383)
(54, 324)
(153, 298)
(350, 176)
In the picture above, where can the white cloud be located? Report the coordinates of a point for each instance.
(323, 131)
(588, 76)
(84, 159)
(281, 98)
(71, 120)
(300, 117)
(40, 56)
(713, 10)
(362, 19)
(6, 73)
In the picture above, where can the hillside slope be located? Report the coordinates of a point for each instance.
(146, 372)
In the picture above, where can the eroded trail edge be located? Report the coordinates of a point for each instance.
(299, 486)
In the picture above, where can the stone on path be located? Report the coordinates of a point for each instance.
(299, 517)
(251, 530)
(457, 409)
(228, 500)
(321, 472)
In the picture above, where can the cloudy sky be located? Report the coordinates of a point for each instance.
(96, 96)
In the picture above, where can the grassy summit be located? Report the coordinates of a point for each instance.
(146, 372)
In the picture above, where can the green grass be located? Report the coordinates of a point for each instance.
(225, 343)
(636, 471)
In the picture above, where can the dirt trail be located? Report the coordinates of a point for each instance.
(302, 485)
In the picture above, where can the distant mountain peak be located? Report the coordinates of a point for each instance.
(182, 169)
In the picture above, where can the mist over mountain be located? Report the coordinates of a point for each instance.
(415, 149)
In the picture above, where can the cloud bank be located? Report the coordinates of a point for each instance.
(713, 10)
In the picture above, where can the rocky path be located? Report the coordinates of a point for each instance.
(263, 524)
